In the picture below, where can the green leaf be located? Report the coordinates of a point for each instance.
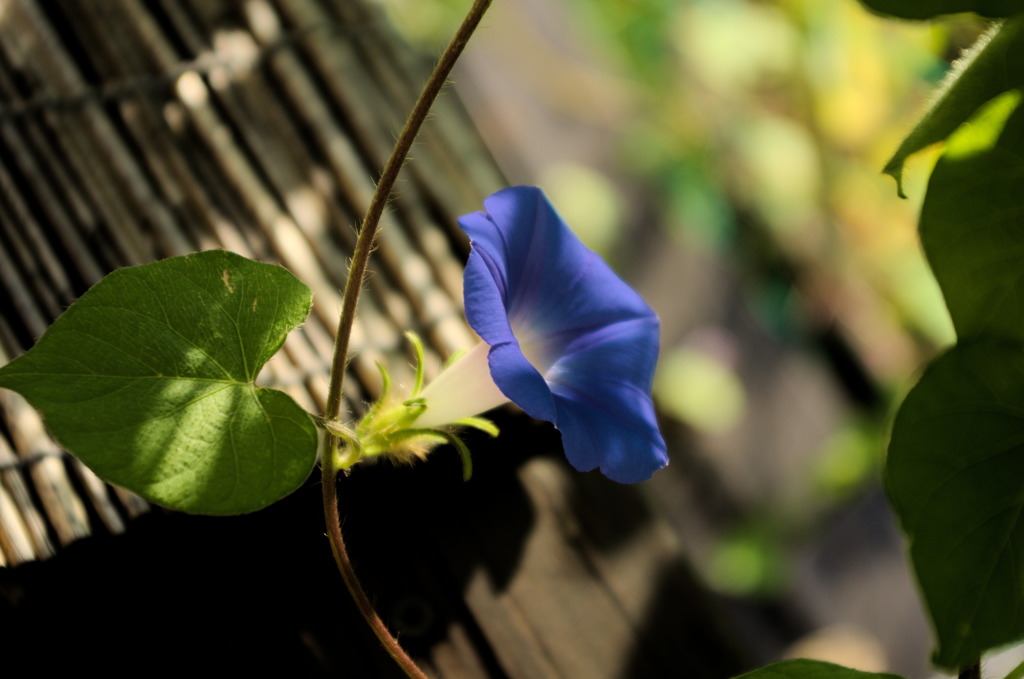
(811, 669)
(971, 222)
(926, 9)
(148, 379)
(479, 423)
(955, 474)
(995, 64)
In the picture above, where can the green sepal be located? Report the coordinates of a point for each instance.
(463, 450)
(385, 382)
(407, 443)
(389, 429)
(481, 423)
(417, 347)
(456, 355)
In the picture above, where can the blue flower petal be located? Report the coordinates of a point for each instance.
(520, 381)
(533, 291)
(547, 278)
(484, 287)
(627, 446)
(605, 412)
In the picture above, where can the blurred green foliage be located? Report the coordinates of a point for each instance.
(730, 113)
(747, 561)
(754, 132)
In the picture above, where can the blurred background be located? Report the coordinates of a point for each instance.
(724, 156)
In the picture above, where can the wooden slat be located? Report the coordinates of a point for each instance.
(64, 509)
(23, 535)
(239, 145)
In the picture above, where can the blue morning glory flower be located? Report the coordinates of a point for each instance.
(563, 336)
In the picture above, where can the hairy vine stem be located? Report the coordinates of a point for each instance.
(353, 286)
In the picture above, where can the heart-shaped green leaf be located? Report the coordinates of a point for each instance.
(149, 379)
(992, 66)
(811, 669)
(972, 222)
(926, 9)
(955, 474)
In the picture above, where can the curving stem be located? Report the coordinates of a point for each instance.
(353, 285)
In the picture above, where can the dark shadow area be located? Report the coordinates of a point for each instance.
(684, 630)
(416, 533)
(249, 594)
(442, 530)
(260, 594)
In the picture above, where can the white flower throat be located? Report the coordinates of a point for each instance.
(465, 388)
